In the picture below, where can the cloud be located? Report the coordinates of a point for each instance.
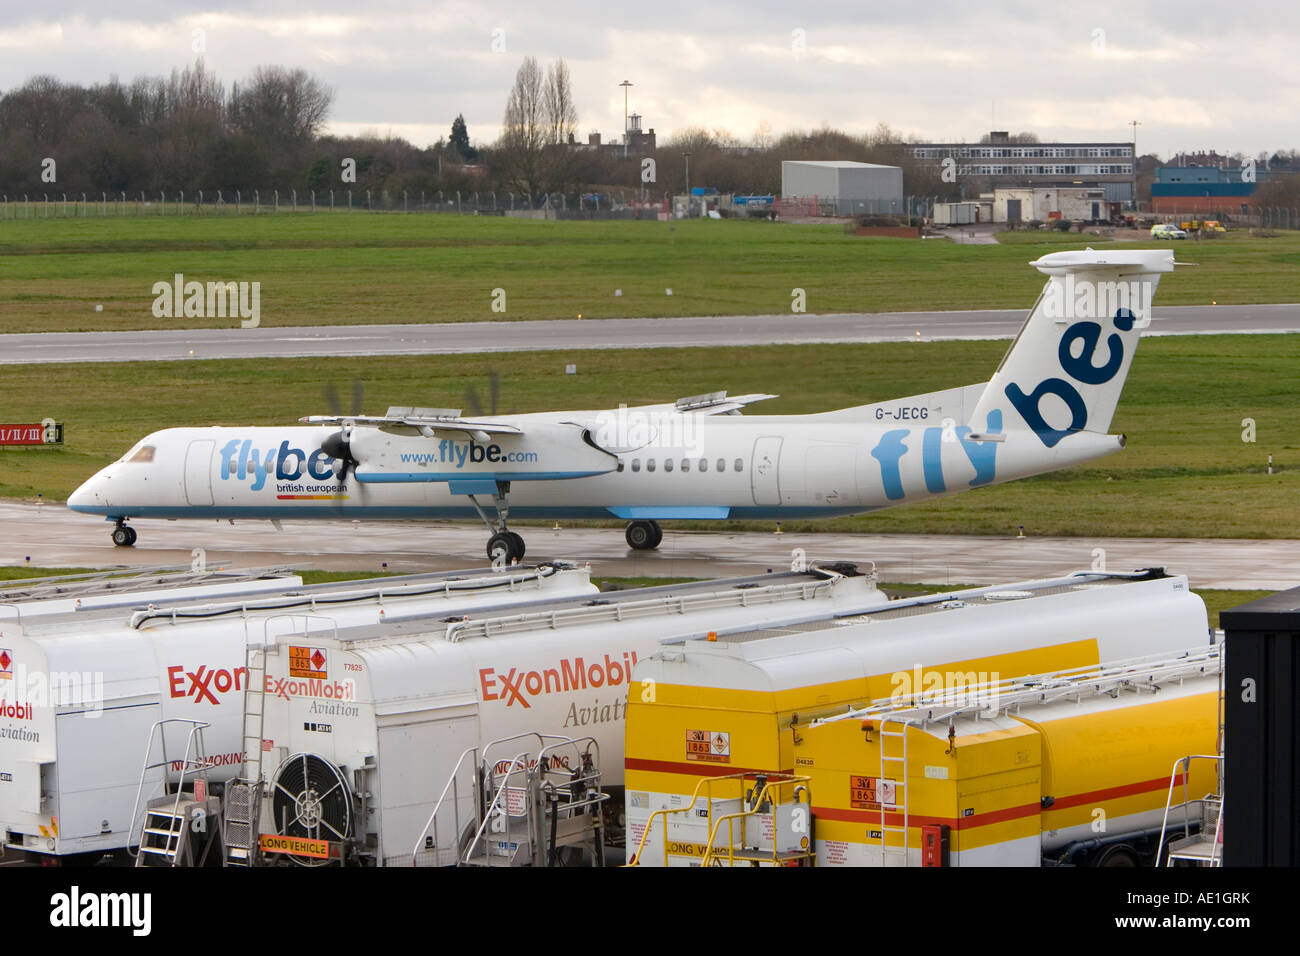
(940, 70)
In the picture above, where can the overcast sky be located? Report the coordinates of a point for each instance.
(1196, 75)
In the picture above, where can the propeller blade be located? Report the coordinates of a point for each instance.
(472, 402)
(494, 388)
(358, 391)
(332, 399)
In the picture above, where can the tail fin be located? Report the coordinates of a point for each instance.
(1064, 372)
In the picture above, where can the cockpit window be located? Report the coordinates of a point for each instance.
(142, 454)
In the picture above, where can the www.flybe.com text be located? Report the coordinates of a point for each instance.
(458, 454)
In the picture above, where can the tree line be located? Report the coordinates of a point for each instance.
(189, 132)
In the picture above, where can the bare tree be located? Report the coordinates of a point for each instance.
(561, 113)
(279, 104)
(523, 132)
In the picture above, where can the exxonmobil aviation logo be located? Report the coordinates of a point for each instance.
(517, 686)
(205, 684)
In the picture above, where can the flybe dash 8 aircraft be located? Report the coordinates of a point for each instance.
(1048, 406)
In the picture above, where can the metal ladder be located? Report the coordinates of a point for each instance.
(244, 796)
(176, 828)
(900, 783)
(525, 811)
(1201, 848)
(1205, 846)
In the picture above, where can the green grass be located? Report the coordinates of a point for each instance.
(1215, 600)
(349, 268)
(626, 584)
(1185, 472)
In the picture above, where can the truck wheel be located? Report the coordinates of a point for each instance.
(1121, 854)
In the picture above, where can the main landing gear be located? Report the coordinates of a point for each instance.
(505, 547)
(123, 534)
(643, 535)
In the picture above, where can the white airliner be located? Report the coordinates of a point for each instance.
(1048, 406)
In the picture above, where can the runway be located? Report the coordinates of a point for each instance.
(574, 334)
(52, 536)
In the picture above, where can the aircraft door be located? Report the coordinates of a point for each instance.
(198, 472)
(763, 477)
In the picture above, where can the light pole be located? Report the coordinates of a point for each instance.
(1135, 124)
(625, 84)
(688, 184)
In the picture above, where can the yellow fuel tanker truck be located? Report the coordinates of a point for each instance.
(859, 742)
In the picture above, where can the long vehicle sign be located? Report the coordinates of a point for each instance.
(298, 846)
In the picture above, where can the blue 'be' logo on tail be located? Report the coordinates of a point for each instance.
(1081, 368)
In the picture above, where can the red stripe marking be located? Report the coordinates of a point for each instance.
(1112, 793)
(701, 769)
(893, 818)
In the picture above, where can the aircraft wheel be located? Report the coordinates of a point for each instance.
(659, 534)
(124, 536)
(643, 535)
(504, 547)
(518, 539)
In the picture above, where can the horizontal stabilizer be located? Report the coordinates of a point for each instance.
(1064, 372)
(1104, 260)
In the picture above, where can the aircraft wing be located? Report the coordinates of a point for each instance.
(426, 421)
(710, 403)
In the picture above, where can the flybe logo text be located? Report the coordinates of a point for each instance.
(892, 448)
(241, 461)
(1081, 369)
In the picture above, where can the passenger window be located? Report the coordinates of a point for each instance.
(620, 464)
(145, 454)
(722, 464)
(649, 464)
(686, 464)
(740, 464)
(668, 464)
(636, 464)
(704, 464)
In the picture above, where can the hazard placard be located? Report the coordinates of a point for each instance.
(294, 846)
(307, 662)
(709, 746)
(868, 793)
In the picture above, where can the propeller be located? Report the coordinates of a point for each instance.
(475, 406)
(339, 445)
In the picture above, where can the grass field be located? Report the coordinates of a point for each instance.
(1185, 473)
(348, 268)
(1215, 600)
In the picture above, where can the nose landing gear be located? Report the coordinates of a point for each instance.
(643, 535)
(124, 535)
(505, 547)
